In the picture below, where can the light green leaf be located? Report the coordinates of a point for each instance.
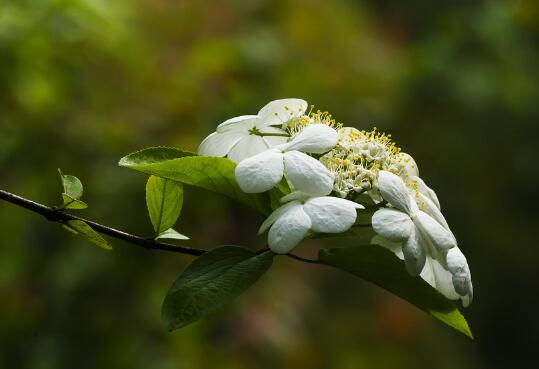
(72, 185)
(278, 192)
(164, 199)
(70, 203)
(171, 234)
(210, 173)
(87, 231)
(381, 267)
(210, 282)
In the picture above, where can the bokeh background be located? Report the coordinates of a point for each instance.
(83, 82)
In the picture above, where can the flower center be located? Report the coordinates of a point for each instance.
(254, 131)
(297, 124)
(357, 159)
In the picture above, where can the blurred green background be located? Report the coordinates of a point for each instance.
(83, 82)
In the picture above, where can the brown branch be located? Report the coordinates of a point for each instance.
(60, 216)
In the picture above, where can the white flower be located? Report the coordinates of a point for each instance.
(422, 238)
(237, 137)
(291, 222)
(434, 272)
(262, 172)
(418, 231)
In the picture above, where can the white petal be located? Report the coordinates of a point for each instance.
(426, 190)
(276, 214)
(439, 278)
(414, 253)
(427, 273)
(444, 281)
(467, 300)
(440, 237)
(242, 123)
(456, 261)
(261, 172)
(331, 214)
(289, 229)
(413, 205)
(307, 174)
(392, 224)
(315, 138)
(395, 247)
(409, 165)
(462, 278)
(247, 147)
(278, 112)
(429, 207)
(394, 191)
(219, 144)
(273, 141)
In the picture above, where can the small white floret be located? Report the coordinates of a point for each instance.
(289, 229)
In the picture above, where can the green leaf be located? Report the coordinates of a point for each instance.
(69, 229)
(381, 267)
(70, 203)
(72, 185)
(91, 235)
(152, 155)
(276, 193)
(210, 282)
(171, 234)
(210, 173)
(164, 199)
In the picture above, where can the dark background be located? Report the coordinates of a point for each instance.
(83, 82)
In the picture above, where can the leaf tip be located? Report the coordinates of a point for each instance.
(123, 162)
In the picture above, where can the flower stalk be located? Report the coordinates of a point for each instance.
(254, 131)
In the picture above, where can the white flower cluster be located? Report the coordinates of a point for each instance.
(330, 169)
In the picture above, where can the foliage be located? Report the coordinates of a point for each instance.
(164, 199)
(381, 267)
(85, 82)
(82, 228)
(72, 192)
(210, 173)
(210, 282)
(188, 298)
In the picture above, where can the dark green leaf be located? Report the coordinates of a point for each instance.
(381, 267)
(211, 281)
(210, 173)
(164, 199)
(91, 235)
(69, 229)
(72, 185)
